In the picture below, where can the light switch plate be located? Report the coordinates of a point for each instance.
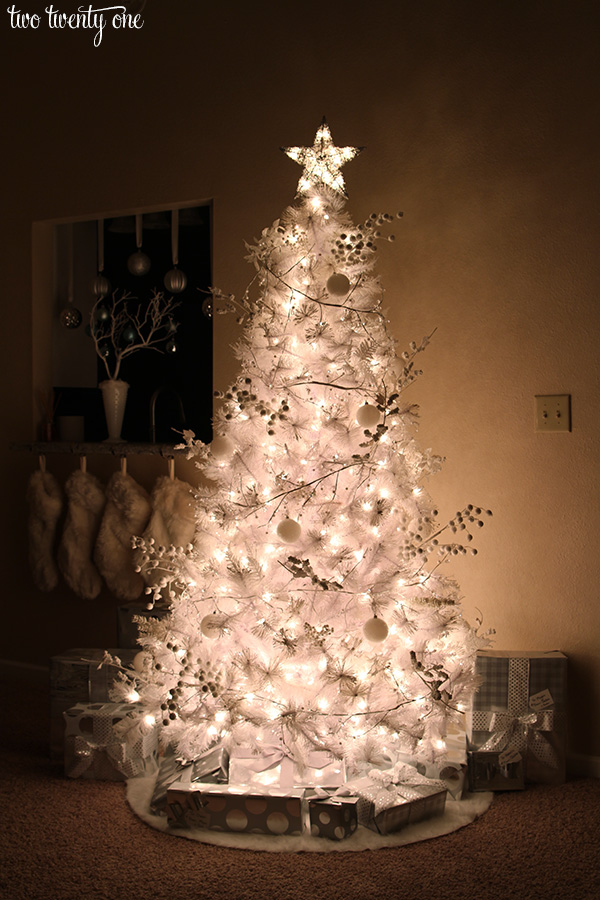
(553, 412)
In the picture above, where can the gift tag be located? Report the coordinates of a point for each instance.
(541, 700)
(508, 756)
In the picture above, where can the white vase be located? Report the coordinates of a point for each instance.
(114, 396)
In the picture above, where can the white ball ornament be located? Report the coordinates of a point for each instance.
(209, 628)
(368, 416)
(338, 285)
(222, 447)
(289, 531)
(139, 661)
(375, 630)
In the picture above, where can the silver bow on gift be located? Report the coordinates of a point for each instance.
(85, 752)
(381, 788)
(247, 766)
(520, 733)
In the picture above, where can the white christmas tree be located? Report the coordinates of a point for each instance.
(311, 610)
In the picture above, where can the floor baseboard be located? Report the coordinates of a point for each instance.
(32, 674)
(579, 765)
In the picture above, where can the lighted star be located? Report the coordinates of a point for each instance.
(322, 162)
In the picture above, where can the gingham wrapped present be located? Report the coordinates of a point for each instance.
(386, 805)
(108, 742)
(389, 809)
(521, 706)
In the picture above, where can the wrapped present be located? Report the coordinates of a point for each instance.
(273, 765)
(492, 770)
(80, 676)
(334, 817)
(521, 706)
(211, 767)
(129, 618)
(388, 807)
(255, 809)
(108, 741)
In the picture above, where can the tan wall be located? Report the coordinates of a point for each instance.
(481, 123)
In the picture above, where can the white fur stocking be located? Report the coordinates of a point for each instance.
(173, 522)
(45, 500)
(85, 498)
(126, 514)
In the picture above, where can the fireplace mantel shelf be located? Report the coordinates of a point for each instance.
(101, 448)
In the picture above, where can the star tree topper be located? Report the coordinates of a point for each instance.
(322, 162)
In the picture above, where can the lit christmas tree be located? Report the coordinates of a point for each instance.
(311, 611)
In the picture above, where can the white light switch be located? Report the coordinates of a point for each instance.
(553, 412)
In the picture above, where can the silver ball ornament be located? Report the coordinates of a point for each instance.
(139, 263)
(100, 285)
(289, 531)
(207, 307)
(70, 317)
(338, 284)
(101, 314)
(368, 416)
(175, 280)
(375, 630)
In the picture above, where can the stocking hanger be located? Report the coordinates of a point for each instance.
(83, 463)
(171, 467)
(42, 462)
(123, 465)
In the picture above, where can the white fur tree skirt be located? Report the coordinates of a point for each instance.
(458, 813)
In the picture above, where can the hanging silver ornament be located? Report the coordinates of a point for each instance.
(175, 280)
(70, 317)
(100, 284)
(138, 263)
(171, 346)
(207, 307)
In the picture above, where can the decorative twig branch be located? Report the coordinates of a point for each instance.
(118, 328)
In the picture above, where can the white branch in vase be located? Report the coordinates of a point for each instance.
(149, 324)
